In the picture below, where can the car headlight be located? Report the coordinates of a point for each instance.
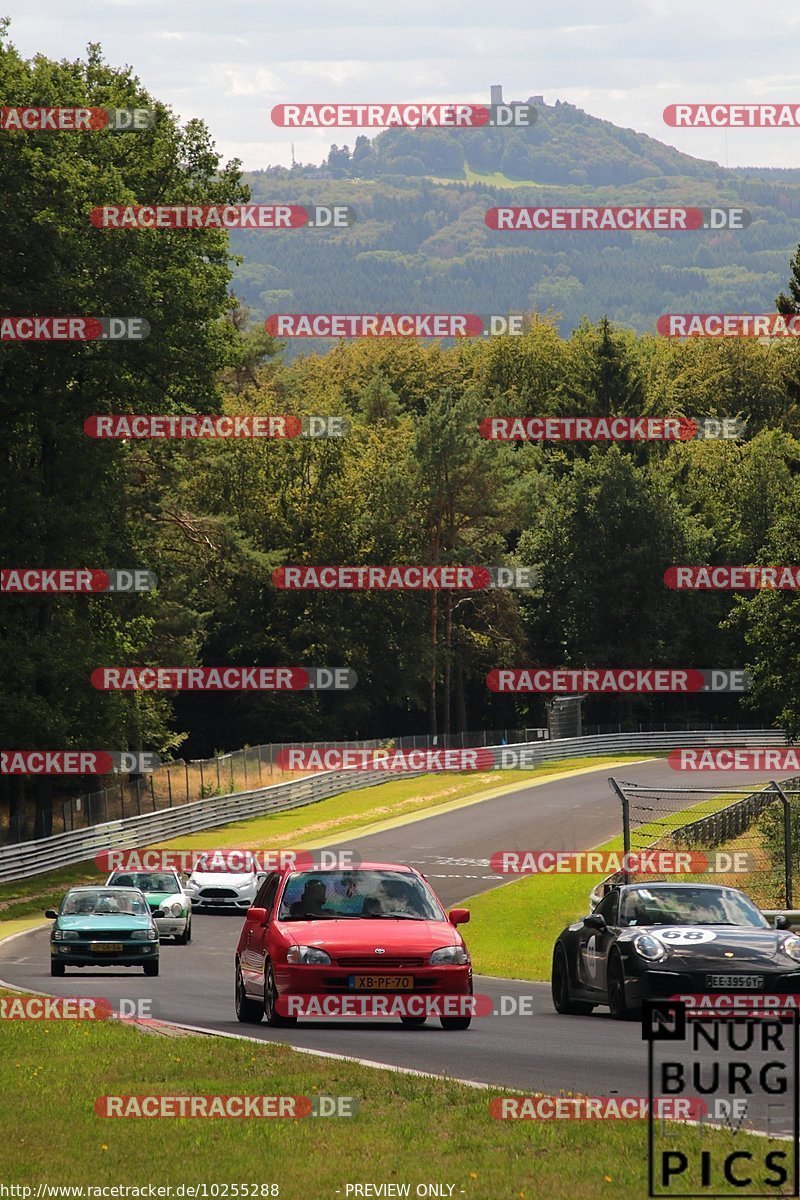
(449, 955)
(309, 956)
(791, 946)
(191, 886)
(65, 935)
(649, 947)
(145, 935)
(172, 908)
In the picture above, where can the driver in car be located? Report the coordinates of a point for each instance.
(399, 898)
(312, 901)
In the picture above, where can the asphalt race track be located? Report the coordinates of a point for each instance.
(536, 1050)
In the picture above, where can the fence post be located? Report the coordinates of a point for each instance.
(787, 840)
(219, 781)
(186, 771)
(626, 823)
(169, 785)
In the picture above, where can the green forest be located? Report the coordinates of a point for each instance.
(420, 243)
(412, 482)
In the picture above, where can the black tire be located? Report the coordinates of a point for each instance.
(559, 988)
(270, 995)
(618, 1004)
(453, 1023)
(414, 1022)
(150, 968)
(57, 968)
(248, 1011)
(184, 938)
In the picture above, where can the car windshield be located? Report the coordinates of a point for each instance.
(358, 894)
(690, 906)
(104, 901)
(147, 881)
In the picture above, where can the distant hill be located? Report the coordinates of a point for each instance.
(421, 244)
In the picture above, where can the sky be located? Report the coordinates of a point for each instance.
(228, 63)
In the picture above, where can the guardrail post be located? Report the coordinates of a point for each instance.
(787, 840)
(626, 822)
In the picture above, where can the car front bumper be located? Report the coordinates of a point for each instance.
(429, 985)
(171, 926)
(650, 984)
(80, 954)
(239, 902)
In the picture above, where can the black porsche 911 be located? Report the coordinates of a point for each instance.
(651, 940)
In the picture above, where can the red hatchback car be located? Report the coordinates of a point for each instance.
(376, 930)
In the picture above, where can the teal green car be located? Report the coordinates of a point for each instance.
(169, 904)
(103, 927)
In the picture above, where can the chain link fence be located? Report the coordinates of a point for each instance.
(182, 782)
(748, 839)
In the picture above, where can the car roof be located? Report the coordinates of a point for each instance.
(362, 866)
(100, 887)
(140, 871)
(658, 884)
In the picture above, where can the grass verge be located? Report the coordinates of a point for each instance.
(408, 1130)
(318, 824)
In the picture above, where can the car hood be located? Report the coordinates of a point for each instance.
(720, 944)
(221, 879)
(95, 924)
(156, 899)
(363, 936)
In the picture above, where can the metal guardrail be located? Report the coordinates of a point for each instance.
(24, 859)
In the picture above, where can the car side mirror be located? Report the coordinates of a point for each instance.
(458, 916)
(782, 921)
(51, 914)
(595, 921)
(258, 916)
